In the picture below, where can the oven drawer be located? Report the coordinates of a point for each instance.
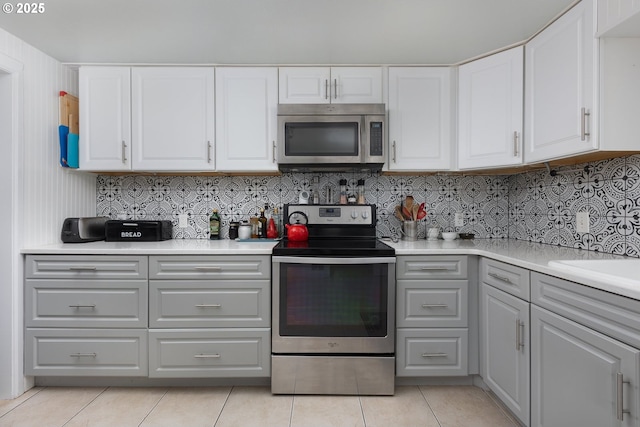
(210, 267)
(86, 304)
(432, 352)
(437, 303)
(509, 278)
(431, 267)
(209, 304)
(86, 352)
(210, 353)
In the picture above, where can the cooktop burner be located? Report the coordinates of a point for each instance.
(334, 247)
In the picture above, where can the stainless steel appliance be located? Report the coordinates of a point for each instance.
(320, 137)
(86, 229)
(333, 317)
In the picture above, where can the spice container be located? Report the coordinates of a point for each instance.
(244, 231)
(233, 230)
(361, 200)
(343, 191)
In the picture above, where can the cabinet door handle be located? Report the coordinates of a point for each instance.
(584, 132)
(209, 151)
(436, 269)
(88, 268)
(274, 151)
(83, 355)
(209, 268)
(434, 355)
(335, 88)
(501, 278)
(206, 356)
(435, 305)
(208, 305)
(519, 335)
(124, 152)
(91, 306)
(516, 144)
(394, 152)
(326, 89)
(620, 382)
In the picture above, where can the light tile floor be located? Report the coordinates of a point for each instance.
(412, 406)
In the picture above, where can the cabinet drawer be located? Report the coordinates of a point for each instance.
(203, 267)
(85, 304)
(209, 304)
(87, 352)
(437, 303)
(610, 314)
(431, 352)
(432, 267)
(86, 267)
(210, 353)
(511, 279)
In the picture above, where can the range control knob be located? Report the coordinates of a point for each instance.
(365, 214)
(354, 214)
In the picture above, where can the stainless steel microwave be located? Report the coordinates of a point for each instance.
(322, 137)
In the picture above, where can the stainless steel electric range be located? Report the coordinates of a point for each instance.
(333, 317)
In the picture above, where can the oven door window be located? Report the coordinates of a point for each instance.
(331, 300)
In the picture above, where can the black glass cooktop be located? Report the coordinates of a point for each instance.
(343, 247)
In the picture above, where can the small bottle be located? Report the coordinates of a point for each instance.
(276, 219)
(214, 225)
(343, 191)
(233, 229)
(361, 200)
(262, 227)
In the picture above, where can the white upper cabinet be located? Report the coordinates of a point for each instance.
(560, 110)
(619, 18)
(490, 103)
(324, 85)
(173, 118)
(246, 117)
(105, 118)
(419, 118)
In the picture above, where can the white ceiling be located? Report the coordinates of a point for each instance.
(279, 31)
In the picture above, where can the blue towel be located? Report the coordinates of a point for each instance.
(72, 150)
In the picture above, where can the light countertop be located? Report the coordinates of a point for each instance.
(167, 247)
(532, 256)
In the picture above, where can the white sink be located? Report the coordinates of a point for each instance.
(621, 272)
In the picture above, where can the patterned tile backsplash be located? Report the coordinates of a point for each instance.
(532, 206)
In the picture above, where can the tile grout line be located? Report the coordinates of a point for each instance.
(429, 406)
(293, 404)
(22, 403)
(154, 407)
(85, 406)
(223, 405)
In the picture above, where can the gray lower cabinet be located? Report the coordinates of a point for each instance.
(86, 315)
(585, 364)
(432, 337)
(504, 346)
(209, 316)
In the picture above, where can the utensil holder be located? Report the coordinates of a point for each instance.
(409, 230)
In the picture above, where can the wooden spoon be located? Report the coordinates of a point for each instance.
(398, 213)
(414, 211)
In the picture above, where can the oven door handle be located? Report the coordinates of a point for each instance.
(330, 260)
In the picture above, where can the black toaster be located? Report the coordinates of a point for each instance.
(141, 231)
(86, 229)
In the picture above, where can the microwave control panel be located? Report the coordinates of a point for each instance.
(375, 139)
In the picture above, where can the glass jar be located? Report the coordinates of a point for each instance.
(233, 230)
(361, 200)
(343, 191)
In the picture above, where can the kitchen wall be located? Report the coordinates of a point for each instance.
(533, 206)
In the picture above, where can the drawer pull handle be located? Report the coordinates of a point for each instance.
(435, 305)
(501, 278)
(434, 355)
(620, 382)
(83, 268)
(208, 305)
(209, 268)
(83, 355)
(91, 306)
(435, 268)
(206, 356)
